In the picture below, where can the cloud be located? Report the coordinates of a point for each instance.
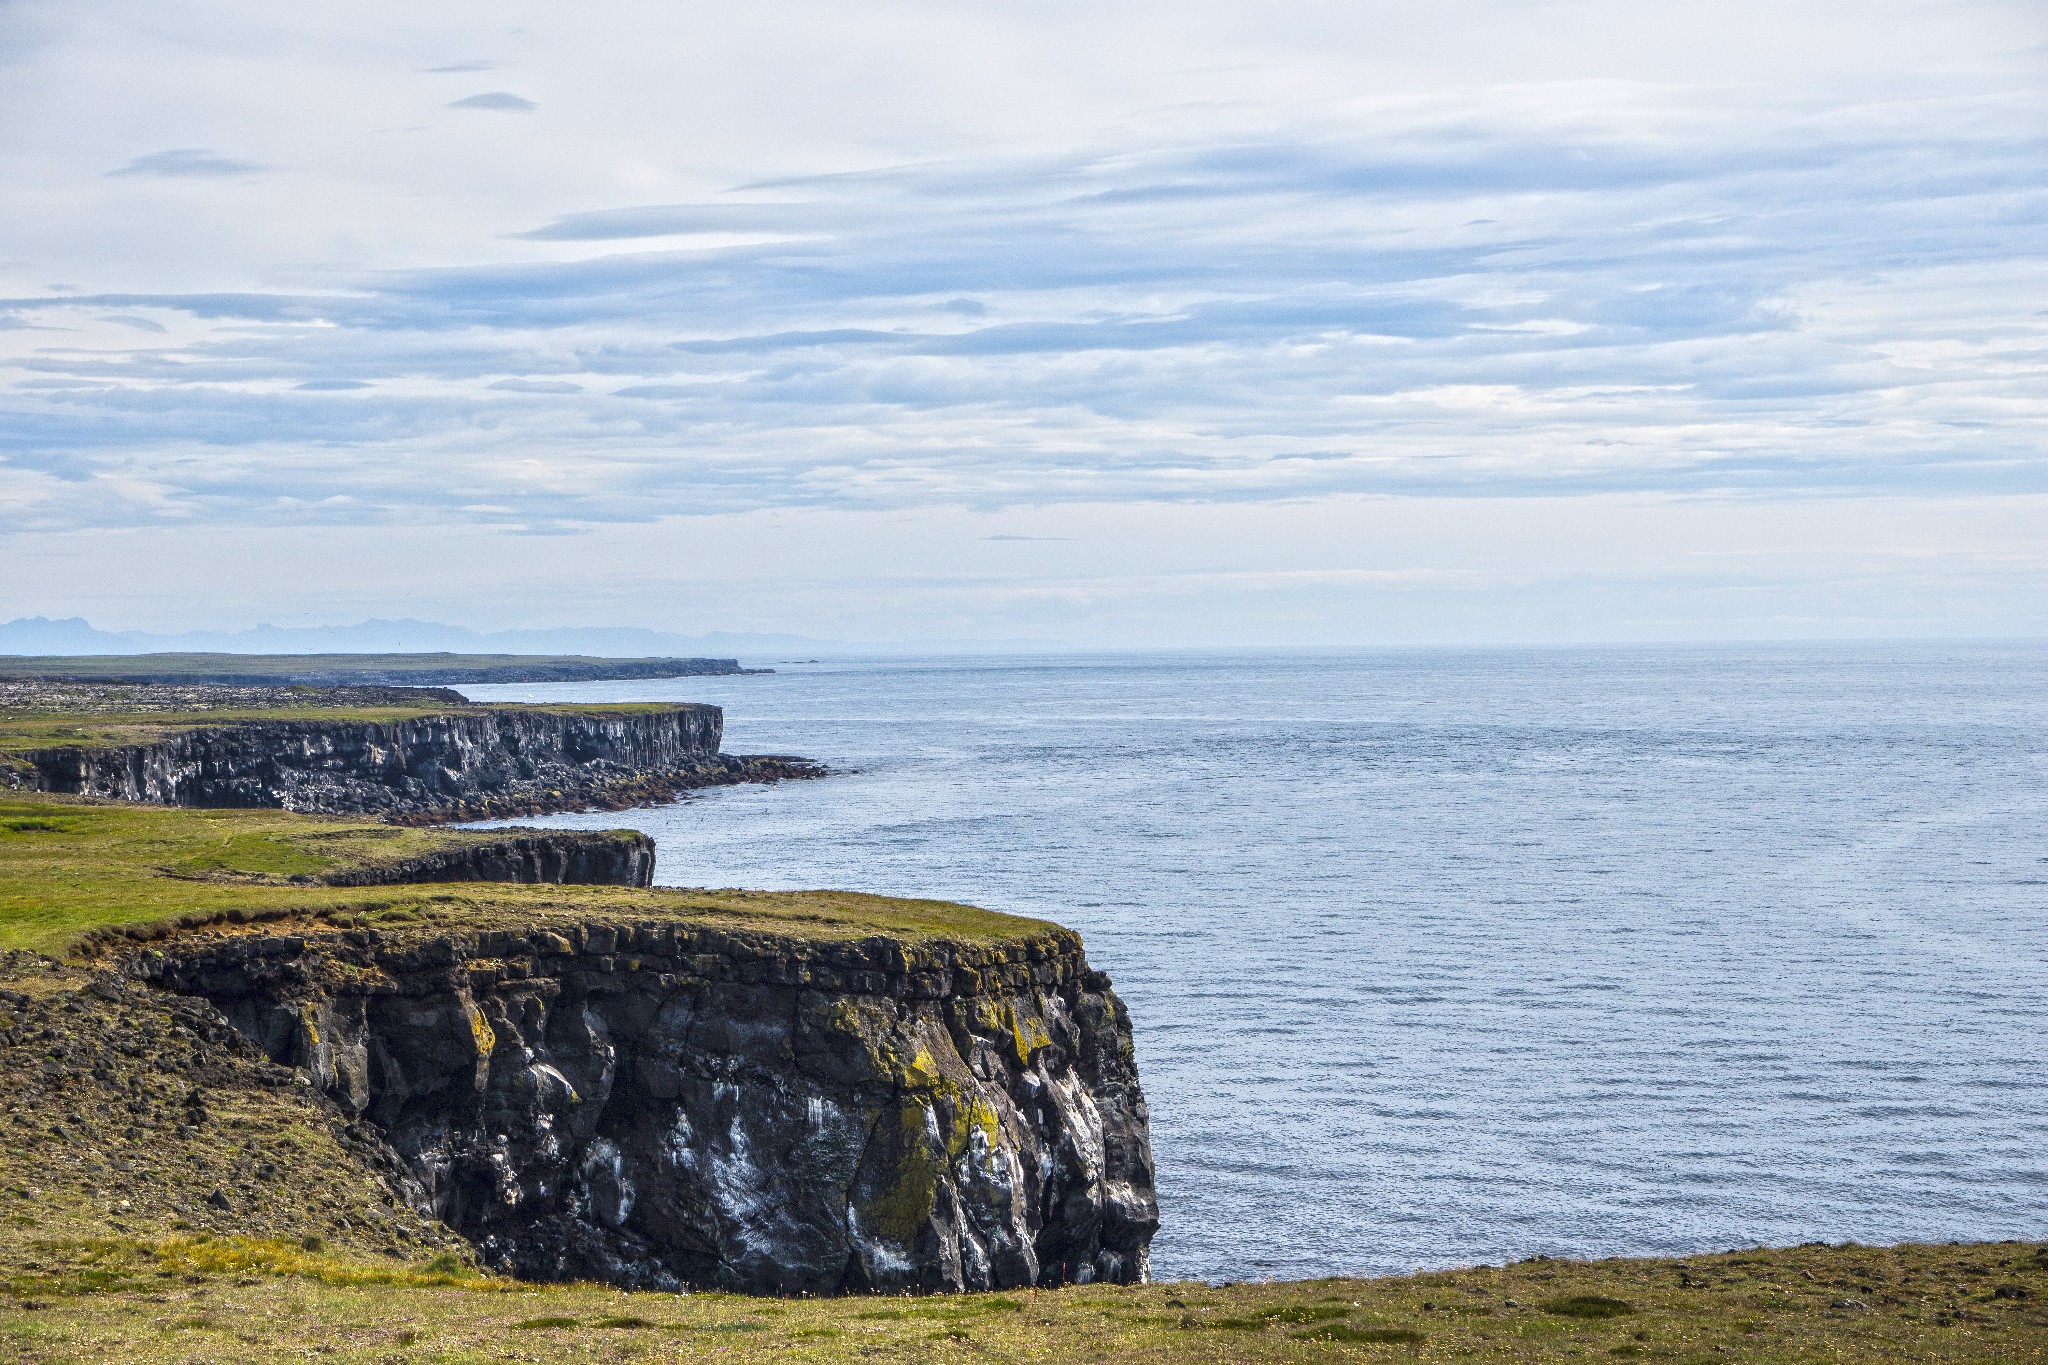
(501, 100)
(187, 161)
(536, 386)
(670, 220)
(1495, 291)
(461, 68)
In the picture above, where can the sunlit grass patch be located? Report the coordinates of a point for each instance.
(104, 1265)
(75, 866)
(1930, 1305)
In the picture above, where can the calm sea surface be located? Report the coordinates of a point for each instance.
(1447, 957)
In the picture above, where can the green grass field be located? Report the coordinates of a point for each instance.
(219, 1299)
(70, 865)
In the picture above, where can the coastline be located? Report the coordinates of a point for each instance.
(82, 1264)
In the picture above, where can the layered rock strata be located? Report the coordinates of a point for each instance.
(472, 763)
(659, 1104)
(527, 856)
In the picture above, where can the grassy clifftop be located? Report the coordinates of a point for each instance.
(46, 715)
(69, 866)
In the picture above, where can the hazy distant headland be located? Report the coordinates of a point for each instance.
(75, 635)
(329, 670)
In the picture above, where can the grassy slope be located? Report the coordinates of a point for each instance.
(69, 865)
(212, 1300)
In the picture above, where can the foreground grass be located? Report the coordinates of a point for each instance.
(70, 865)
(209, 1300)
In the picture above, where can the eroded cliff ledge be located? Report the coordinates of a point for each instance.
(659, 1103)
(436, 764)
(527, 857)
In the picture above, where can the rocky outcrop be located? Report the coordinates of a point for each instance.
(661, 1104)
(469, 763)
(562, 857)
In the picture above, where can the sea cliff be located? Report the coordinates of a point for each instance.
(538, 1057)
(440, 763)
(659, 1105)
(526, 1045)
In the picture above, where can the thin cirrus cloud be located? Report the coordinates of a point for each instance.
(673, 220)
(177, 162)
(546, 386)
(501, 101)
(1824, 307)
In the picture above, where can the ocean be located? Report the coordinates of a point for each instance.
(1456, 956)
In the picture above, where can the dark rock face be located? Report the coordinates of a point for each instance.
(532, 857)
(474, 763)
(659, 1105)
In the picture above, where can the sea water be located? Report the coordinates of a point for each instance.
(1447, 957)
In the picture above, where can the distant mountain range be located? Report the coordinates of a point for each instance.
(75, 635)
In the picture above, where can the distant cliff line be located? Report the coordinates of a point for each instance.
(330, 670)
(406, 756)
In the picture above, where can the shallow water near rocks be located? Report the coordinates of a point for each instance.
(1443, 957)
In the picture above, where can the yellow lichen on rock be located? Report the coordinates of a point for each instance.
(901, 1211)
(480, 1030)
(1028, 1033)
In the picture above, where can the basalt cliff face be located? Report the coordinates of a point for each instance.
(469, 763)
(658, 1104)
(529, 857)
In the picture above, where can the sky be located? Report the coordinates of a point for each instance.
(1120, 323)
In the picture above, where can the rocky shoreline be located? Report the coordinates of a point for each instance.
(331, 751)
(595, 1080)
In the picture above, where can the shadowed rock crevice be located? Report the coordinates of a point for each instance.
(660, 1105)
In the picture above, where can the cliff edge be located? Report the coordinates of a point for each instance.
(407, 756)
(580, 1077)
(658, 1104)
